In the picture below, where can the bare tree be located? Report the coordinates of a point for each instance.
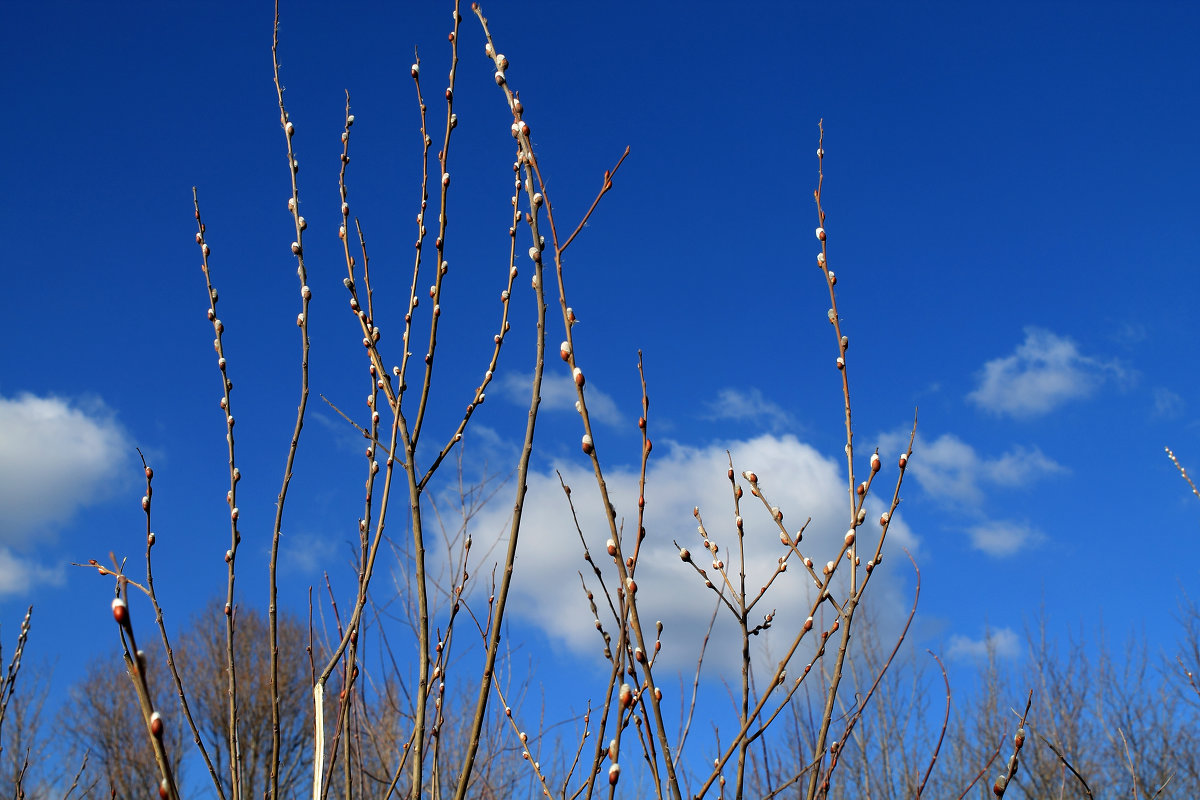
(201, 654)
(103, 720)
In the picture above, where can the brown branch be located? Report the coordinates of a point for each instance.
(1087, 789)
(281, 500)
(1182, 471)
(945, 721)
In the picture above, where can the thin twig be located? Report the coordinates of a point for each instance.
(945, 721)
(1087, 789)
(1182, 471)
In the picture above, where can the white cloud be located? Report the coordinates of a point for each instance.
(1019, 466)
(19, 575)
(1000, 538)
(306, 553)
(1002, 643)
(954, 474)
(55, 458)
(558, 394)
(792, 475)
(749, 405)
(1167, 404)
(1043, 373)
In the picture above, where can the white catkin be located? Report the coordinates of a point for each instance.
(319, 738)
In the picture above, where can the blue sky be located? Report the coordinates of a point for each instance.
(1011, 214)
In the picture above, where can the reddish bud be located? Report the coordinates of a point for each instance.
(588, 446)
(156, 725)
(120, 612)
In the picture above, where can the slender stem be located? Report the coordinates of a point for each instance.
(302, 319)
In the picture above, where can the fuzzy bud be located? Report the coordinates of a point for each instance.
(614, 774)
(874, 462)
(587, 444)
(120, 611)
(578, 374)
(821, 234)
